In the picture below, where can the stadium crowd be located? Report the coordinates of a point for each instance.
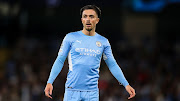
(151, 68)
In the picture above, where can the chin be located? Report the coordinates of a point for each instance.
(89, 30)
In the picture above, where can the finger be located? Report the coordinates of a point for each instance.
(50, 97)
(130, 97)
(47, 94)
(132, 94)
(50, 91)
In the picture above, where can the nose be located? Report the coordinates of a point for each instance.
(88, 18)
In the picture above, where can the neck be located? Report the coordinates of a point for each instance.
(89, 33)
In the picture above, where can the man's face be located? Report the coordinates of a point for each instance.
(89, 19)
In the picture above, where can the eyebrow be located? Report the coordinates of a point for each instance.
(88, 15)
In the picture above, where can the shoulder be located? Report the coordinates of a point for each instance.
(104, 39)
(72, 35)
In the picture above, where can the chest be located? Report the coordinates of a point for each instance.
(87, 46)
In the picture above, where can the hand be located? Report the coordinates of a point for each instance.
(48, 90)
(131, 91)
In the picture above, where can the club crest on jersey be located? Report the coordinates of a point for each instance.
(98, 44)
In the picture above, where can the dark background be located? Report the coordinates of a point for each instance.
(144, 35)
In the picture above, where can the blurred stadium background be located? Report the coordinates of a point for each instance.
(144, 35)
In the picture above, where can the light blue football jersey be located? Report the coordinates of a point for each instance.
(84, 57)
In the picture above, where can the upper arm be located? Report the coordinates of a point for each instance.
(107, 53)
(65, 46)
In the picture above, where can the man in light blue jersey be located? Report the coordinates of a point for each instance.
(84, 50)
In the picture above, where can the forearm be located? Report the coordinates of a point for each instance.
(116, 71)
(56, 68)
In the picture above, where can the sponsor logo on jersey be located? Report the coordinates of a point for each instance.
(86, 51)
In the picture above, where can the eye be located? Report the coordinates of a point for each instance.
(85, 16)
(91, 16)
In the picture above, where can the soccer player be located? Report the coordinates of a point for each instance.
(84, 50)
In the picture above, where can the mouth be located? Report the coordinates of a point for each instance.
(88, 24)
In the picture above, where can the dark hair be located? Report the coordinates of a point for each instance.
(94, 7)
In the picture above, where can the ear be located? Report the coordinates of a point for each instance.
(81, 20)
(97, 20)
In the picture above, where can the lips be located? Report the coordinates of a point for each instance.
(88, 24)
